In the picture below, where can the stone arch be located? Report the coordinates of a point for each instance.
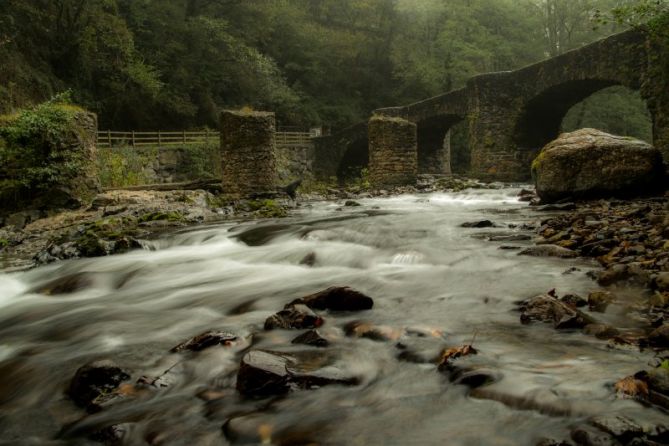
(354, 159)
(434, 143)
(540, 119)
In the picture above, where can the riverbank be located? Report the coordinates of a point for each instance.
(119, 220)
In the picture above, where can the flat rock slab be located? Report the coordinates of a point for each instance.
(549, 251)
(265, 373)
(295, 317)
(548, 309)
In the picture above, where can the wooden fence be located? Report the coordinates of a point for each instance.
(110, 138)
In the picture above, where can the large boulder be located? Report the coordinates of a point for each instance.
(589, 163)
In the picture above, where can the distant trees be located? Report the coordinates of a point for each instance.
(175, 63)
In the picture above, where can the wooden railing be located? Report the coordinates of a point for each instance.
(110, 138)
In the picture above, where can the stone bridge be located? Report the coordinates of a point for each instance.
(509, 115)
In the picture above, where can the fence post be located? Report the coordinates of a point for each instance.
(159, 141)
(183, 132)
(133, 138)
(206, 135)
(109, 137)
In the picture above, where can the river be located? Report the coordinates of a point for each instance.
(407, 252)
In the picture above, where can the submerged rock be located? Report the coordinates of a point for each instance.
(95, 379)
(66, 285)
(589, 163)
(336, 299)
(599, 300)
(311, 337)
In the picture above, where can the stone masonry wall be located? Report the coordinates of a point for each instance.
(393, 159)
(248, 153)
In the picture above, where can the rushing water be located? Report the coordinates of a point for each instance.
(407, 252)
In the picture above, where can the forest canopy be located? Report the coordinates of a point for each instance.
(159, 64)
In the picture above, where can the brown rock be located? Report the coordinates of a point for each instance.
(205, 340)
(336, 299)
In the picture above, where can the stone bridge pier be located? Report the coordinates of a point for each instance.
(248, 153)
(393, 152)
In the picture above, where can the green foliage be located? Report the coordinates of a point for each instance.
(34, 148)
(266, 208)
(615, 110)
(124, 166)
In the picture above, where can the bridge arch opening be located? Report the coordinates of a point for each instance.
(434, 144)
(354, 161)
(594, 103)
(618, 110)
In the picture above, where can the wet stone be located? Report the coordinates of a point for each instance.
(478, 224)
(351, 203)
(588, 436)
(296, 317)
(599, 300)
(264, 373)
(364, 329)
(311, 337)
(205, 340)
(509, 238)
(601, 331)
(336, 299)
(548, 309)
(660, 336)
(574, 300)
(95, 379)
(549, 251)
(309, 259)
(619, 427)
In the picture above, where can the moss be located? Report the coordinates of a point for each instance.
(267, 209)
(536, 164)
(4, 243)
(155, 216)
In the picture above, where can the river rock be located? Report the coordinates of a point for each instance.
(589, 436)
(599, 300)
(478, 224)
(660, 336)
(265, 373)
(574, 300)
(364, 329)
(589, 163)
(205, 340)
(295, 317)
(65, 285)
(549, 251)
(311, 337)
(336, 299)
(95, 379)
(548, 309)
(601, 331)
(662, 281)
(621, 428)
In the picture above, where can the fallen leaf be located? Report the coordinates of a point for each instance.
(456, 352)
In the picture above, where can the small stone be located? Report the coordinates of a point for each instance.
(601, 331)
(95, 379)
(351, 203)
(311, 337)
(662, 281)
(363, 329)
(309, 259)
(65, 285)
(574, 300)
(205, 340)
(478, 224)
(295, 317)
(546, 308)
(599, 300)
(660, 336)
(336, 299)
(549, 251)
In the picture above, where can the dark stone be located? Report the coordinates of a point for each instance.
(619, 427)
(660, 336)
(336, 299)
(599, 300)
(478, 224)
(205, 340)
(474, 377)
(311, 337)
(509, 238)
(601, 331)
(548, 309)
(574, 300)
(352, 203)
(295, 317)
(556, 207)
(263, 373)
(95, 379)
(309, 259)
(587, 436)
(549, 251)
